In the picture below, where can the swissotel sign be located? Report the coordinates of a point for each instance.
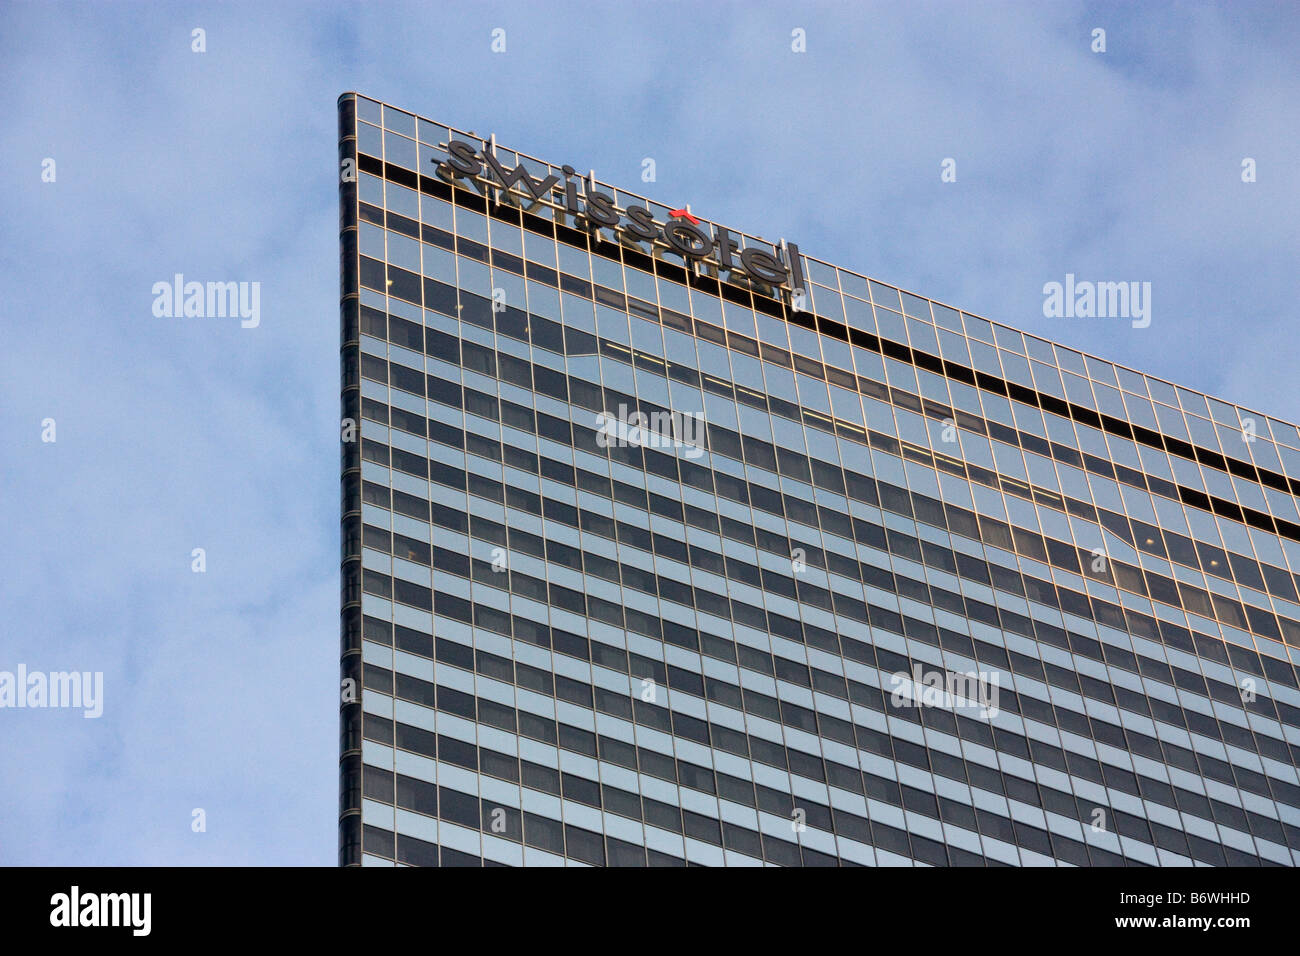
(683, 234)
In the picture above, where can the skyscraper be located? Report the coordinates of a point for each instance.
(666, 545)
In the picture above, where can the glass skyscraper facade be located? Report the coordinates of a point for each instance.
(651, 561)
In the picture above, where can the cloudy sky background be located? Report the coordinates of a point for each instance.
(176, 434)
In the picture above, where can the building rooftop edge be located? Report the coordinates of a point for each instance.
(1010, 328)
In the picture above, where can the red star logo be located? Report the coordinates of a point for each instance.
(684, 213)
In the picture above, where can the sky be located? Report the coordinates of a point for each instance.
(171, 434)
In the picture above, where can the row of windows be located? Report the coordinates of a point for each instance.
(828, 278)
(773, 336)
(984, 429)
(933, 555)
(559, 599)
(837, 775)
(1230, 474)
(585, 846)
(827, 727)
(1179, 547)
(927, 553)
(858, 487)
(887, 662)
(1040, 548)
(957, 645)
(538, 830)
(746, 793)
(1065, 678)
(1231, 437)
(797, 673)
(501, 537)
(583, 602)
(745, 370)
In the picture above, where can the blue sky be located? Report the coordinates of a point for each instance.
(220, 688)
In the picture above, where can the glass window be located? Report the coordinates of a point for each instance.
(914, 305)
(1016, 369)
(540, 249)
(1140, 411)
(886, 296)
(437, 212)
(609, 273)
(859, 314)
(953, 348)
(612, 324)
(948, 318)
(854, 285)
(400, 150)
(827, 302)
(368, 110)
(1131, 381)
(891, 325)
(978, 328)
(1108, 400)
(472, 225)
(640, 284)
(805, 342)
(1039, 349)
(434, 134)
(739, 319)
(820, 272)
(923, 336)
(400, 121)
(1222, 413)
(674, 296)
(574, 261)
(370, 140)
(1070, 359)
(1101, 371)
(706, 307)
(1009, 339)
(986, 358)
(371, 189)
(1192, 402)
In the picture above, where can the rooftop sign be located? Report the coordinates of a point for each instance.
(684, 233)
